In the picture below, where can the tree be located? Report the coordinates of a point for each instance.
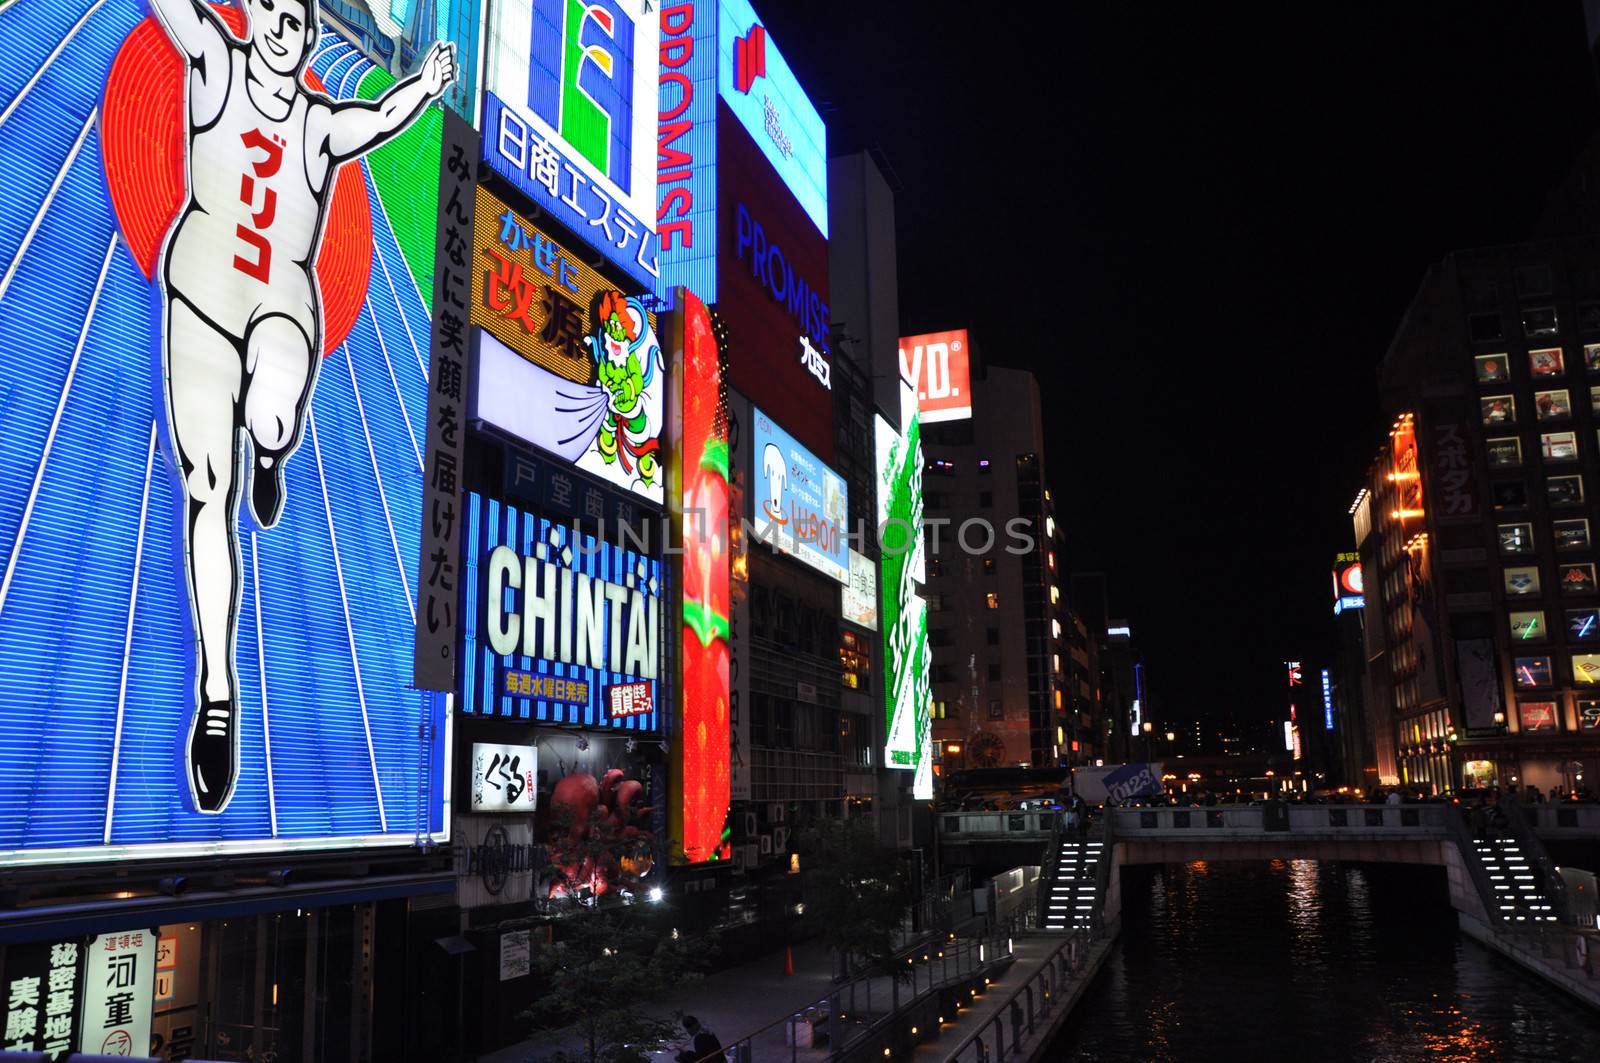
(855, 892)
(603, 969)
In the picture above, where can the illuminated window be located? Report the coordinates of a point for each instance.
(1588, 715)
(1531, 671)
(938, 710)
(1509, 494)
(1537, 715)
(1591, 355)
(1552, 405)
(984, 467)
(1055, 662)
(1492, 368)
(1520, 581)
(1559, 446)
(991, 600)
(1497, 409)
(1571, 534)
(1055, 628)
(1504, 451)
(1564, 490)
(1527, 626)
(1516, 538)
(1055, 594)
(1540, 321)
(996, 710)
(1583, 625)
(1546, 363)
(1594, 399)
(1058, 699)
(1577, 579)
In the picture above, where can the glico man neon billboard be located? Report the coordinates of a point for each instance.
(216, 273)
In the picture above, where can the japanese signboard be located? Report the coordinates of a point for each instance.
(229, 674)
(800, 504)
(570, 118)
(118, 993)
(1454, 486)
(906, 654)
(554, 619)
(41, 1002)
(937, 365)
(448, 388)
(859, 595)
(571, 365)
(502, 777)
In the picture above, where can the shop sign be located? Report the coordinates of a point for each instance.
(502, 777)
(118, 993)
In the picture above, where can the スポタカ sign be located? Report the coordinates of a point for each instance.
(558, 608)
(570, 118)
(217, 329)
(800, 503)
(572, 365)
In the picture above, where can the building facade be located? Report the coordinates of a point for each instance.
(1476, 524)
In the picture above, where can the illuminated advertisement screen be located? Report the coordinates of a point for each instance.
(904, 613)
(765, 96)
(772, 294)
(559, 626)
(686, 150)
(209, 663)
(569, 118)
(937, 366)
(571, 365)
(707, 602)
(859, 595)
(396, 35)
(800, 504)
(1327, 701)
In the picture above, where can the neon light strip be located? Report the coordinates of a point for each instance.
(384, 265)
(66, 40)
(1587, 624)
(127, 638)
(55, 422)
(1528, 675)
(411, 433)
(261, 664)
(49, 198)
(350, 631)
(383, 499)
(78, 854)
(1532, 626)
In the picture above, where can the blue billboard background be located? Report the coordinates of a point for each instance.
(686, 159)
(791, 134)
(96, 642)
(491, 523)
(798, 504)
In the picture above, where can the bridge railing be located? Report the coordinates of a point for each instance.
(1563, 818)
(1041, 823)
(1252, 820)
(1028, 1008)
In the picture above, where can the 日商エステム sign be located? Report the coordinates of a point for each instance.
(200, 591)
(570, 118)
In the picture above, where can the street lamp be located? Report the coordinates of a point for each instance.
(1148, 727)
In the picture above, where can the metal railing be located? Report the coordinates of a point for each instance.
(1034, 823)
(1030, 1005)
(1527, 839)
(1255, 820)
(869, 1005)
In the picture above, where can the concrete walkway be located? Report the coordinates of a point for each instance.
(756, 1000)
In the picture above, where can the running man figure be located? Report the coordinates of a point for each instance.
(243, 331)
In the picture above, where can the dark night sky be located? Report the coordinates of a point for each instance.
(1199, 225)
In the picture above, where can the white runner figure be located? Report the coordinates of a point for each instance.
(243, 330)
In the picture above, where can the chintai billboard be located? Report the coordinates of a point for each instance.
(216, 329)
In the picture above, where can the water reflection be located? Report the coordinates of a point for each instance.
(1301, 961)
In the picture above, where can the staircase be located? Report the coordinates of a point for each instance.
(1072, 892)
(1517, 898)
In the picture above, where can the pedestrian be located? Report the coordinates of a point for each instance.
(1393, 798)
(1069, 818)
(1083, 818)
(1480, 821)
(704, 1044)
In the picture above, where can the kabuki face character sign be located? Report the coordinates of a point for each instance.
(243, 331)
(626, 355)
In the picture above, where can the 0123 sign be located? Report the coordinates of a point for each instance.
(938, 366)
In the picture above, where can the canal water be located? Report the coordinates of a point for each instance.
(1298, 961)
